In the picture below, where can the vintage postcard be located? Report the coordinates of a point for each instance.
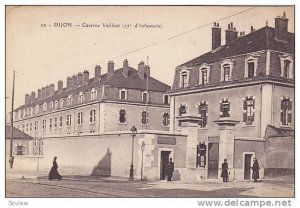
(150, 101)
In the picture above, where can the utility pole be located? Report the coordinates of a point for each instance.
(12, 115)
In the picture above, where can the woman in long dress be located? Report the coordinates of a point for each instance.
(53, 174)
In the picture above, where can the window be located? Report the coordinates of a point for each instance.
(69, 120)
(80, 118)
(226, 69)
(248, 110)
(204, 76)
(81, 98)
(204, 72)
(61, 103)
(182, 110)
(145, 116)
(92, 116)
(225, 108)
(37, 109)
(250, 69)
(56, 104)
(30, 127)
(20, 149)
(166, 99)
(93, 94)
(55, 122)
(251, 66)
(50, 124)
(123, 94)
(36, 125)
(27, 127)
(45, 107)
(183, 79)
(23, 127)
(44, 124)
(201, 155)
(70, 100)
(60, 121)
(166, 119)
(31, 111)
(36, 142)
(122, 116)
(202, 110)
(287, 66)
(145, 97)
(286, 111)
(51, 105)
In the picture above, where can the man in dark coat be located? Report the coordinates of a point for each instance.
(170, 169)
(53, 174)
(255, 169)
(11, 161)
(224, 173)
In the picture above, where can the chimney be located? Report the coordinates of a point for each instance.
(97, 72)
(86, 77)
(110, 68)
(39, 93)
(281, 27)
(27, 99)
(74, 80)
(43, 92)
(147, 71)
(47, 91)
(242, 33)
(252, 29)
(80, 79)
(60, 86)
(216, 36)
(141, 70)
(32, 96)
(69, 83)
(125, 68)
(231, 33)
(51, 89)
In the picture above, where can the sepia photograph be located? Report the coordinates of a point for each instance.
(150, 101)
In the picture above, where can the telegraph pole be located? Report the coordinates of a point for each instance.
(12, 115)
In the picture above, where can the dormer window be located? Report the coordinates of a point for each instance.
(51, 105)
(287, 66)
(70, 100)
(166, 99)
(204, 72)
(37, 109)
(80, 97)
(93, 94)
(45, 107)
(250, 67)
(56, 104)
(145, 97)
(184, 79)
(226, 70)
(123, 94)
(61, 103)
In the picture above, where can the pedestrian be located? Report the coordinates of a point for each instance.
(11, 162)
(255, 169)
(170, 169)
(224, 173)
(53, 174)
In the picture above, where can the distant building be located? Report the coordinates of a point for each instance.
(227, 97)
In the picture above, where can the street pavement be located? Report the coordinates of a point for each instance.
(93, 186)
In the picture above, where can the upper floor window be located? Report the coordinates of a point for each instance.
(30, 126)
(166, 119)
(122, 116)
(145, 97)
(92, 116)
(56, 104)
(184, 79)
(166, 99)
(225, 108)
(93, 94)
(202, 110)
(61, 103)
(204, 73)
(44, 124)
(182, 110)
(70, 100)
(80, 118)
(45, 107)
(36, 125)
(287, 66)
(226, 70)
(31, 111)
(55, 122)
(26, 127)
(123, 94)
(251, 66)
(51, 105)
(248, 110)
(69, 120)
(80, 97)
(144, 117)
(60, 121)
(50, 124)
(204, 76)
(286, 111)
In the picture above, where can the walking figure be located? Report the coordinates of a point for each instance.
(53, 174)
(11, 162)
(170, 169)
(255, 168)
(224, 173)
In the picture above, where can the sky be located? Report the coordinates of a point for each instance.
(43, 55)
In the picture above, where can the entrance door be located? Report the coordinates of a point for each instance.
(164, 158)
(247, 166)
(213, 160)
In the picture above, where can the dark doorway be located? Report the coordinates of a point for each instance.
(164, 158)
(247, 166)
(213, 160)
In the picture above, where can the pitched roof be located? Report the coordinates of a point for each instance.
(17, 134)
(261, 39)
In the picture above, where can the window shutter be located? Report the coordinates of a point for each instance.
(281, 117)
(253, 104)
(290, 105)
(253, 117)
(245, 105)
(221, 107)
(245, 117)
(289, 117)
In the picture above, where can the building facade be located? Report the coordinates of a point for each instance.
(111, 102)
(227, 97)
